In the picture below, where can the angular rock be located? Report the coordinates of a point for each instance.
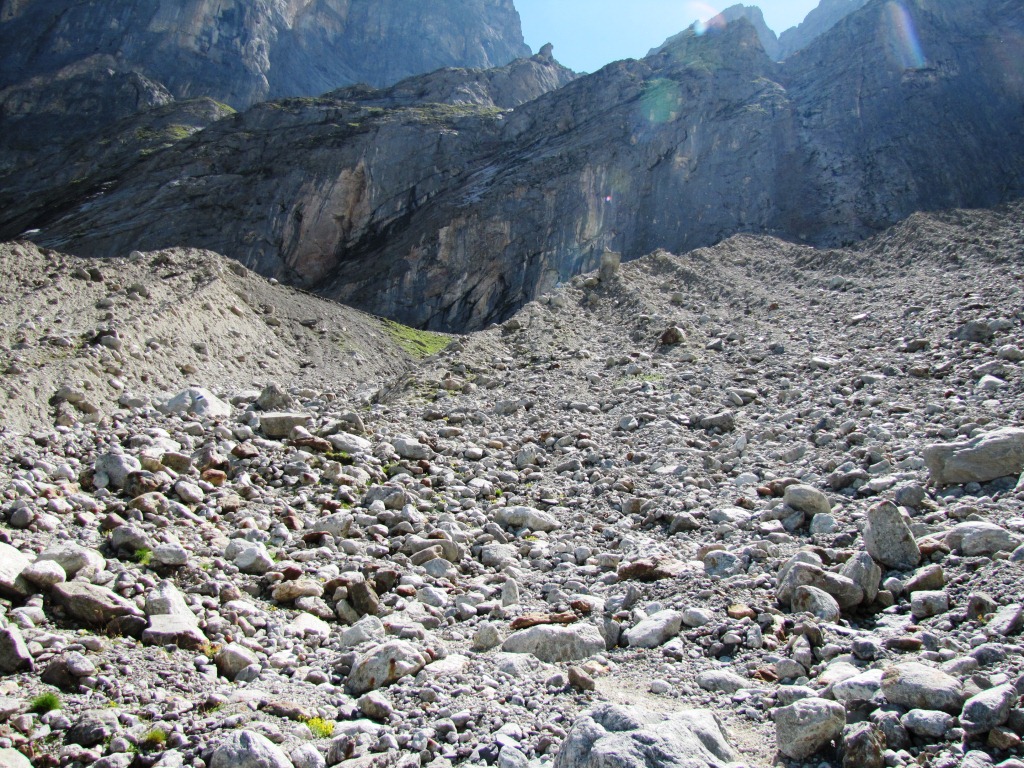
(233, 658)
(915, 686)
(171, 621)
(91, 604)
(114, 468)
(862, 687)
(383, 665)
(44, 574)
(248, 749)
(655, 630)
(995, 454)
(888, 538)
(555, 644)
(977, 537)
(863, 571)
(631, 737)
(12, 758)
(74, 559)
(864, 747)
(930, 723)
(807, 498)
(526, 517)
(808, 725)
(722, 680)
(412, 449)
(816, 602)
(198, 402)
(92, 728)
(13, 585)
(279, 425)
(14, 655)
(988, 709)
(926, 603)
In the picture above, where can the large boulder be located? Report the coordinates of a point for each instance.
(526, 517)
(556, 644)
(631, 737)
(915, 686)
(383, 665)
(171, 621)
(91, 604)
(198, 402)
(655, 630)
(248, 749)
(888, 538)
(808, 725)
(13, 585)
(995, 454)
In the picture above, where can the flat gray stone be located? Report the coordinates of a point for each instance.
(655, 630)
(807, 499)
(930, 723)
(555, 644)
(995, 454)
(722, 680)
(279, 425)
(248, 749)
(526, 517)
(14, 655)
(13, 585)
(632, 737)
(915, 686)
(91, 604)
(233, 658)
(196, 401)
(12, 758)
(383, 665)
(978, 537)
(988, 709)
(807, 726)
(817, 602)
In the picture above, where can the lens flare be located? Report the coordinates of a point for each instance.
(905, 42)
(707, 17)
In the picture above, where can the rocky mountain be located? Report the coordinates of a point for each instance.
(753, 14)
(433, 204)
(826, 15)
(72, 73)
(242, 52)
(755, 505)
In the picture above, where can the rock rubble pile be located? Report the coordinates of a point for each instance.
(790, 531)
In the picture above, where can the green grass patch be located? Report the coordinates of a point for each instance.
(419, 344)
(45, 702)
(144, 556)
(154, 740)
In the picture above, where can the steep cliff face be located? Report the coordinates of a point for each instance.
(753, 14)
(241, 52)
(452, 215)
(818, 22)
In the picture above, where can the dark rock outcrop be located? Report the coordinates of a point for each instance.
(244, 52)
(818, 22)
(451, 214)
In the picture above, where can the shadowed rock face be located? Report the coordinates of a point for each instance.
(243, 52)
(430, 204)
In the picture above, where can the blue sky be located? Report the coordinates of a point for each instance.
(587, 34)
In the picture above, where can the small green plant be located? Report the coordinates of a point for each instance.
(154, 740)
(321, 729)
(144, 556)
(45, 702)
